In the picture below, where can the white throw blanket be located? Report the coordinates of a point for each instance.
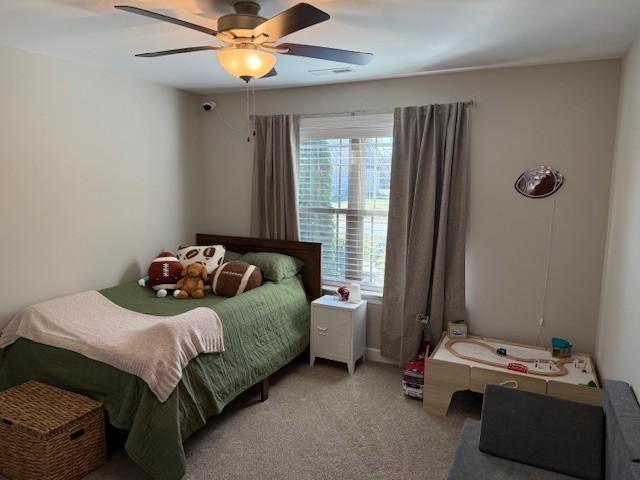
(154, 348)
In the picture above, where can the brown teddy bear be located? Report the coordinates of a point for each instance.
(192, 281)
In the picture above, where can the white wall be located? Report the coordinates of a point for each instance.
(99, 173)
(617, 354)
(563, 115)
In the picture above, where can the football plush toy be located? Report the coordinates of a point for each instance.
(164, 272)
(233, 278)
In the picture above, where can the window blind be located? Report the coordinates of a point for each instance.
(344, 178)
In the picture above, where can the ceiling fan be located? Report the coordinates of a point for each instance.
(249, 38)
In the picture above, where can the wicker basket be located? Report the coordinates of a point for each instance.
(49, 434)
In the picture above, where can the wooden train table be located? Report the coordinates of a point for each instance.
(472, 363)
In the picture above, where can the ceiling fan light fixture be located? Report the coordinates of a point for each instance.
(246, 61)
(252, 39)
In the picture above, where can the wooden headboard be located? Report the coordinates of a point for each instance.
(309, 252)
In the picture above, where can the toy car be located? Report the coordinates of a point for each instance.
(413, 379)
(413, 390)
(518, 367)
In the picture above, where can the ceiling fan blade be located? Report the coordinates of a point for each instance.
(271, 73)
(162, 53)
(295, 18)
(333, 54)
(165, 18)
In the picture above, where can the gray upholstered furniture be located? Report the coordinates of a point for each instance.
(535, 437)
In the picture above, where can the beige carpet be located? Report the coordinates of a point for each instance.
(320, 423)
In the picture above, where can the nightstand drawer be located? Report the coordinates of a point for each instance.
(331, 333)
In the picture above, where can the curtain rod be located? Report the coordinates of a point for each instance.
(354, 113)
(346, 114)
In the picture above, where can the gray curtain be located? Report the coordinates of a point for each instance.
(274, 208)
(425, 256)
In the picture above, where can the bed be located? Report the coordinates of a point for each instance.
(264, 329)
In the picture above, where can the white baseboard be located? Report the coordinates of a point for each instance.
(373, 354)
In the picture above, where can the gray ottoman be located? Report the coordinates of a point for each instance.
(528, 436)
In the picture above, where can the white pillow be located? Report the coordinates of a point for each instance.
(210, 256)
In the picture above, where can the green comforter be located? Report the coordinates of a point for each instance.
(264, 329)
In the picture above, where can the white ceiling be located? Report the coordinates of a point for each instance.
(406, 36)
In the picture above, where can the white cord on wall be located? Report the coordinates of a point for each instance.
(222, 119)
(547, 271)
(250, 106)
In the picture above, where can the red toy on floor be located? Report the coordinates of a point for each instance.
(413, 374)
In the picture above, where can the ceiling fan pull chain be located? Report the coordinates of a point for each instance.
(253, 98)
(246, 89)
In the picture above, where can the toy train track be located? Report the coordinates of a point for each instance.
(560, 363)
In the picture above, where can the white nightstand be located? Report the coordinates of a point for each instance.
(338, 330)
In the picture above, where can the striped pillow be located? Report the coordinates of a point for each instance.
(233, 278)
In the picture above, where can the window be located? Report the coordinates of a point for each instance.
(344, 176)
